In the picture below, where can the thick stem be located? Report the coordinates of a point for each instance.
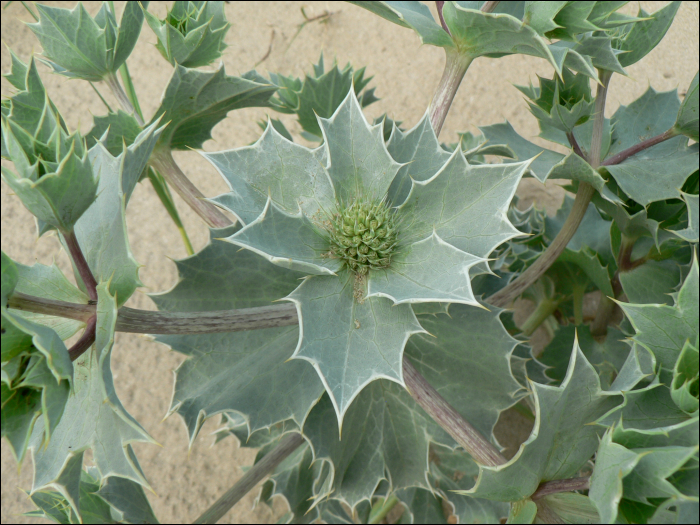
(599, 117)
(142, 321)
(456, 66)
(178, 323)
(81, 264)
(561, 485)
(113, 82)
(251, 478)
(648, 143)
(544, 309)
(379, 513)
(449, 419)
(504, 296)
(489, 6)
(606, 310)
(163, 162)
(86, 340)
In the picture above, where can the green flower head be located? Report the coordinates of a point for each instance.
(339, 214)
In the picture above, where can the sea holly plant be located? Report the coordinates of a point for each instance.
(351, 314)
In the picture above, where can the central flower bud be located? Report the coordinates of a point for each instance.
(364, 235)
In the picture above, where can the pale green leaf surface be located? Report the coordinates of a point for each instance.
(203, 41)
(647, 408)
(587, 260)
(360, 165)
(293, 480)
(20, 411)
(128, 498)
(651, 114)
(649, 477)
(79, 46)
(562, 440)
(452, 470)
(523, 511)
(543, 159)
(414, 15)
(646, 34)
(385, 436)
(289, 240)
(691, 233)
(195, 101)
(46, 341)
(613, 463)
(540, 15)
(420, 153)
(120, 127)
(687, 120)
(248, 372)
(575, 168)
(640, 364)
(685, 379)
(600, 52)
(426, 271)
(93, 417)
(572, 507)
(101, 231)
(293, 176)
(664, 329)
(478, 384)
(421, 506)
(476, 33)
(652, 282)
(50, 283)
(60, 196)
(465, 205)
(350, 343)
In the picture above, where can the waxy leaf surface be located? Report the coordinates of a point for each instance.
(562, 440)
(93, 417)
(248, 372)
(195, 101)
(665, 329)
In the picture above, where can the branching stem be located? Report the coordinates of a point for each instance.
(162, 161)
(583, 197)
(86, 340)
(257, 472)
(648, 143)
(81, 264)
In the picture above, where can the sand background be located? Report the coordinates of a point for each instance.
(405, 76)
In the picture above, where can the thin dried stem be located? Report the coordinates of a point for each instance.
(251, 478)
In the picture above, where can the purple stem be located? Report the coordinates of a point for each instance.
(86, 340)
(439, 6)
(648, 143)
(574, 144)
(81, 264)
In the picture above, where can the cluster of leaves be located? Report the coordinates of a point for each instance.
(626, 396)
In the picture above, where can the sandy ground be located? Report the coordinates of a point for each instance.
(406, 74)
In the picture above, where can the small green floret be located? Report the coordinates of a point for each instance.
(364, 235)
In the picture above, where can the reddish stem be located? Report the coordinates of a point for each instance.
(86, 340)
(81, 264)
(648, 143)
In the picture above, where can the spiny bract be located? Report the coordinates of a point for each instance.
(364, 235)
